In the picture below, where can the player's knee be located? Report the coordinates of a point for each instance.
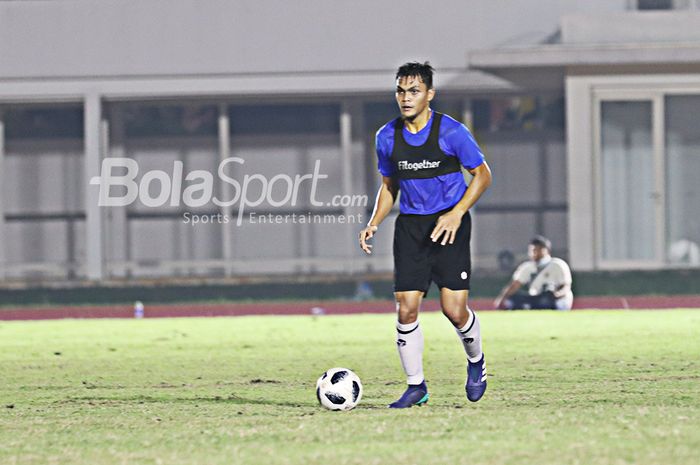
(407, 310)
(455, 314)
(407, 314)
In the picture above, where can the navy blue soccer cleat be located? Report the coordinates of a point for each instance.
(476, 379)
(416, 394)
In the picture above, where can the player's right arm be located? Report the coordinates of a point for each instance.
(386, 196)
(520, 276)
(507, 291)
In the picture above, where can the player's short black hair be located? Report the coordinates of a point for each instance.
(414, 68)
(541, 241)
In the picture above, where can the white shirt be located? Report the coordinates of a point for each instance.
(549, 276)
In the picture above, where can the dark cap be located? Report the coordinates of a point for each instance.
(541, 241)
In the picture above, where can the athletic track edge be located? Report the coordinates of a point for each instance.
(314, 307)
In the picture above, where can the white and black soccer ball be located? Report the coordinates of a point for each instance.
(339, 389)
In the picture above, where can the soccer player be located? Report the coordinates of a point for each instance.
(546, 281)
(421, 154)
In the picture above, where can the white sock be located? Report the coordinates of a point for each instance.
(470, 334)
(409, 340)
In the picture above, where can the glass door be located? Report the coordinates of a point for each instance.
(630, 213)
(682, 160)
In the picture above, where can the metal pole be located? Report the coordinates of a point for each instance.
(225, 189)
(3, 238)
(467, 114)
(104, 148)
(346, 173)
(659, 147)
(118, 243)
(544, 185)
(93, 218)
(468, 121)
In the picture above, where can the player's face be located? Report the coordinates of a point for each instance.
(536, 253)
(413, 96)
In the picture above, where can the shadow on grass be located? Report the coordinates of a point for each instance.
(234, 399)
(231, 399)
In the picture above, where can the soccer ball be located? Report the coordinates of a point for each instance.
(339, 389)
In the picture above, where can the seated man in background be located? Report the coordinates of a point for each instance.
(543, 282)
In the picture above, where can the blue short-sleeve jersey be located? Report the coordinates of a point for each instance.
(431, 195)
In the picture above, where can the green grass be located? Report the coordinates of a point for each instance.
(565, 388)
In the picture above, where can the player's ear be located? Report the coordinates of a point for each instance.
(431, 94)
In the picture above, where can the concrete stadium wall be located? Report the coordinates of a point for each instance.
(586, 284)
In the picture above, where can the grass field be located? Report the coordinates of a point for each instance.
(564, 388)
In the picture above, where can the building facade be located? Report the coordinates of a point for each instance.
(583, 111)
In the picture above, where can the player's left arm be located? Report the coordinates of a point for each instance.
(563, 289)
(448, 223)
(460, 142)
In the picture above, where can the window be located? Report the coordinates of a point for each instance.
(663, 4)
(58, 122)
(522, 113)
(379, 113)
(284, 119)
(154, 120)
(627, 181)
(682, 189)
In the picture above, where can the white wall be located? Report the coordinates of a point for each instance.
(632, 27)
(193, 37)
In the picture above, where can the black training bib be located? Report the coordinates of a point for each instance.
(423, 161)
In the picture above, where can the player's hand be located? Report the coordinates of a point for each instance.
(446, 227)
(365, 235)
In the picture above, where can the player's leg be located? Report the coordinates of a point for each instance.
(565, 303)
(409, 341)
(546, 301)
(411, 281)
(522, 301)
(455, 307)
(451, 271)
(409, 336)
(513, 302)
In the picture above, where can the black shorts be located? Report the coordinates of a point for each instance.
(418, 260)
